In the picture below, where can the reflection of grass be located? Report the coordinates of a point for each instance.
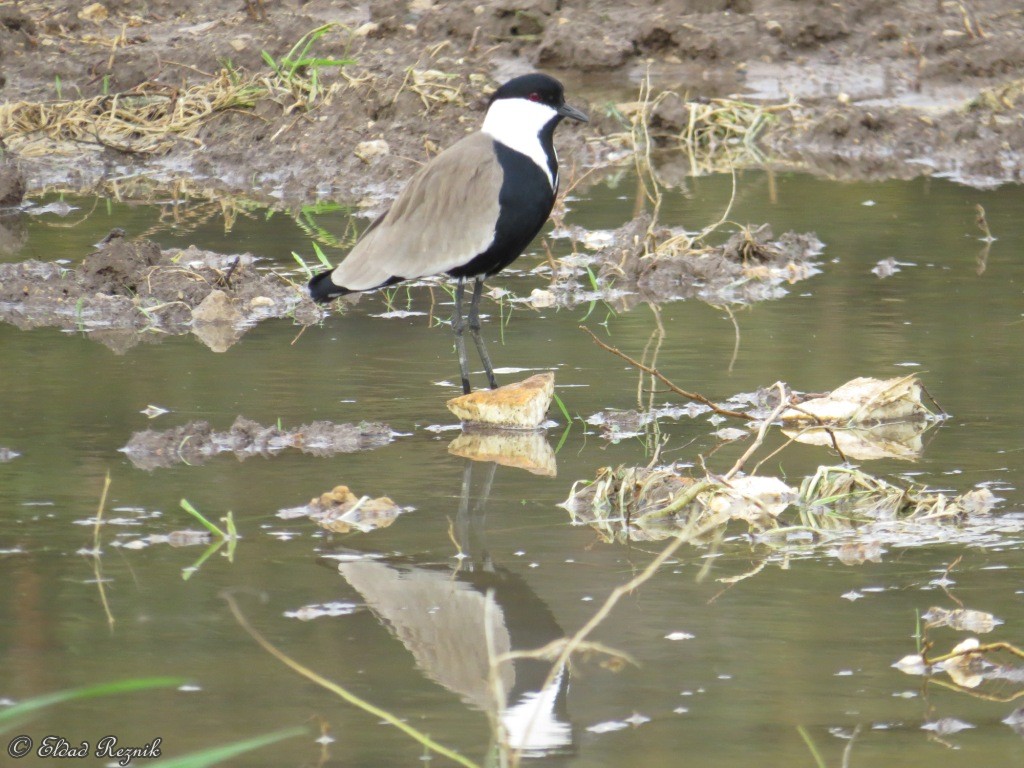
(306, 219)
(716, 134)
(96, 552)
(228, 537)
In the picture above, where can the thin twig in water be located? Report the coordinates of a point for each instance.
(664, 380)
(351, 698)
(946, 580)
(980, 649)
(691, 532)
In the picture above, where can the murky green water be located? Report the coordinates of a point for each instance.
(780, 650)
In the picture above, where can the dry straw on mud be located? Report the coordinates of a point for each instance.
(716, 134)
(147, 119)
(152, 117)
(725, 130)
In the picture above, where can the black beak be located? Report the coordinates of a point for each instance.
(571, 112)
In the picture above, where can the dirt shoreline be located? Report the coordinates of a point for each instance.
(881, 89)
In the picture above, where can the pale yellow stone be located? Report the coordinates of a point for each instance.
(215, 322)
(217, 307)
(368, 151)
(522, 405)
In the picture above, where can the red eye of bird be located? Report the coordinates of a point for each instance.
(534, 97)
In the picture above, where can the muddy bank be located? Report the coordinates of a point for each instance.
(883, 89)
(130, 291)
(197, 442)
(643, 261)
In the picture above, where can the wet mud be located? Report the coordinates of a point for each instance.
(130, 291)
(880, 89)
(197, 442)
(646, 262)
(870, 90)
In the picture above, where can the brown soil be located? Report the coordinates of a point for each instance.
(883, 88)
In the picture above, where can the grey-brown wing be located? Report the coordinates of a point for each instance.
(443, 218)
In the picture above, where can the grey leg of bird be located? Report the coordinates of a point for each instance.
(474, 328)
(460, 341)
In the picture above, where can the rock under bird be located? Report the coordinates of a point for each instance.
(470, 211)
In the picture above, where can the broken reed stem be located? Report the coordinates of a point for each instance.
(986, 648)
(761, 432)
(575, 642)
(336, 689)
(640, 138)
(819, 761)
(682, 500)
(665, 380)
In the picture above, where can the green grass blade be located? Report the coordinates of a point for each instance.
(562, 408)
(215, 755)
(315, 62)
(28, 706)
(196, 514)
(819, 761)
(320, 255)
(270, 62)
(302, 263)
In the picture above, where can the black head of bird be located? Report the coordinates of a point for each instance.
(470, 211)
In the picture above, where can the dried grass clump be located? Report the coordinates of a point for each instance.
(640, 503)
(720, 124)
(150, 118)
(716, 134)
(434, 87)
(1007, 97)
(843, 497)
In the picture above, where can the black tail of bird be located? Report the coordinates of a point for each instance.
(322, 289)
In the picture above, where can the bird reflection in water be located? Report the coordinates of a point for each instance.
(447, 620)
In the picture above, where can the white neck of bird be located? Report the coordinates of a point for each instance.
(517, 124)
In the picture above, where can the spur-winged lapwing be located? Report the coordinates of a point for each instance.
(470, 211)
